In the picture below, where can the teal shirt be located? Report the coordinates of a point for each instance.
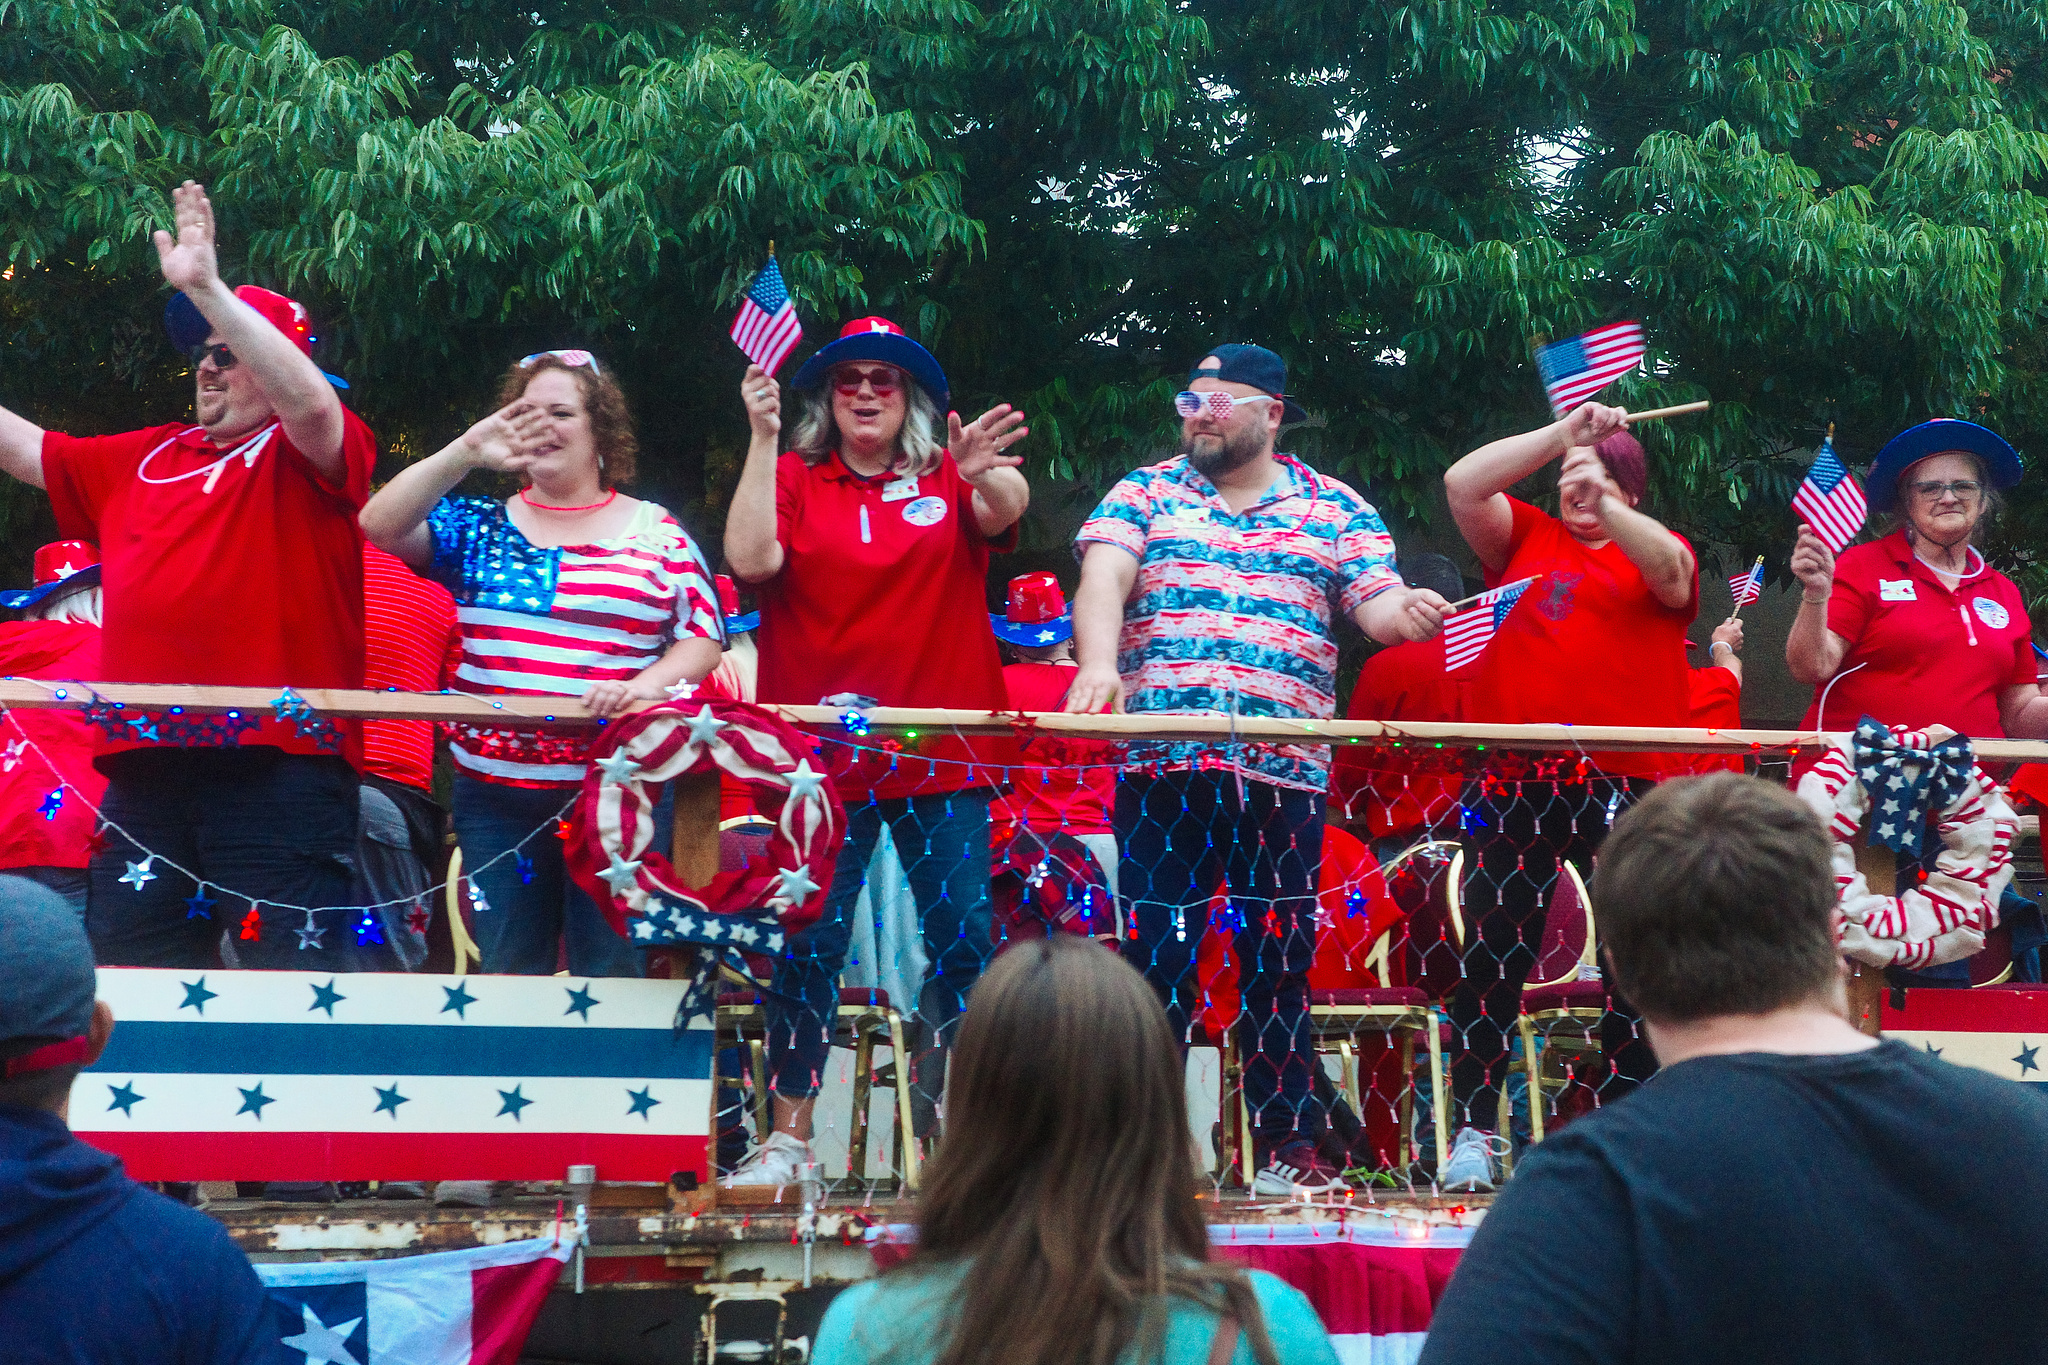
(905, 1319)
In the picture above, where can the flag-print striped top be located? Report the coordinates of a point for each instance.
(1231, 610)
(550, 622)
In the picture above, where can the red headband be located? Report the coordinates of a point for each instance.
(49, 1057)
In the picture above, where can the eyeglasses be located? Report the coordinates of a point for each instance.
(1932, 490)
(573, 359)
(883, 379)
(217, 352)
(1217, 403)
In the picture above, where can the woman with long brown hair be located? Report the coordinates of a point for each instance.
(1058, 1224)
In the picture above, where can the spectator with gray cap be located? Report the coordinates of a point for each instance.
(94, 1267)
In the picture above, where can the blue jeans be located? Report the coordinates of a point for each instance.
(531, 917)
(1182, 833)
(942, 840)
(279, 828)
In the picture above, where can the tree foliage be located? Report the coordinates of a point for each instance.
(1822, 211)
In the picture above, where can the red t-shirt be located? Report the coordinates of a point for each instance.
(882, 593)
(1921, 654)
(1057, 786)
(53, 650)
(241, 567)
(409, 642)
(1588, 644)
(1396, 791)
(1716, 705)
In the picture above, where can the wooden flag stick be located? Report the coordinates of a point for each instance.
(1465, 601)
(1655, 413)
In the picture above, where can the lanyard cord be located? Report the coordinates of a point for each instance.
(248, 449)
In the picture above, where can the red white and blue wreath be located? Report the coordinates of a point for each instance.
(612, 826)
(1912, 789)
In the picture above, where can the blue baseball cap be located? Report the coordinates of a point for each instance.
(1255, 366)
(47, 985)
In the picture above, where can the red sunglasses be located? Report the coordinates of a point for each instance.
(883, 379)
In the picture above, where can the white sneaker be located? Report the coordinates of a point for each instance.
(782, 1160)
(1471, 1165)
(1292, 1171)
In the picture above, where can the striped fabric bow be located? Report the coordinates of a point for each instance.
(1906, 784)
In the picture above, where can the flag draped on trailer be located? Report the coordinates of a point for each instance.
(1830, 500)
(1578, 367)
(766, 329)
(244, 1075)
(445, 1308)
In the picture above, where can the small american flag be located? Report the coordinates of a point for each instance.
(1830, 500)
(1471, 630)
(1578, 367)
(1747, 587)
(767, 329)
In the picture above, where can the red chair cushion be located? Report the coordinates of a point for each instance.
(1369, 995)
(1571, 995)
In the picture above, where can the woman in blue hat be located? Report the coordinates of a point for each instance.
(1915, 628)
(865, 526)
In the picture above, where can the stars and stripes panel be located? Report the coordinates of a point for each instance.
(1830, 500)
(766, 328)
(229, 1075)
(2002, 1030)
(1747, 587)
(1578, 367)
(1468, 632)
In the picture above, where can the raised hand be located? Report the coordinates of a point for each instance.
(188, 258)
(504, 441)
(978, 446)
(1728, 633)
(1813, 564)
(1583, 480)
(763, 397)
(1591, 423)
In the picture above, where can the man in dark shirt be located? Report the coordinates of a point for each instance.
(1785, 1188)
(95, 1269)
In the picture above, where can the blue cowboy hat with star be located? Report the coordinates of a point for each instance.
(876, 339)
(2001, 462)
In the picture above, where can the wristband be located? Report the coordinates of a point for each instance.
(1813, 601)
(1720, 644)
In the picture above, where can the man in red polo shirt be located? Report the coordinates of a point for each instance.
(231, 556)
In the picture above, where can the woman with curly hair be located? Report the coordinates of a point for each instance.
(1058, 1222)
(568, 588)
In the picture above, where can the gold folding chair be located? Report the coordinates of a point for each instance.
(1566, 1002)
(865, 1018)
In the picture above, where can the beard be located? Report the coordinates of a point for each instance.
(1213, 455)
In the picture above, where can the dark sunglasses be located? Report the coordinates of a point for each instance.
(218, 352)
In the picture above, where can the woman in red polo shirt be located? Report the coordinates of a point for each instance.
(867, 542)
(1915, 628)
(1598, 639)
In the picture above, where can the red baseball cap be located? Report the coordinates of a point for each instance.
(188, 326)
